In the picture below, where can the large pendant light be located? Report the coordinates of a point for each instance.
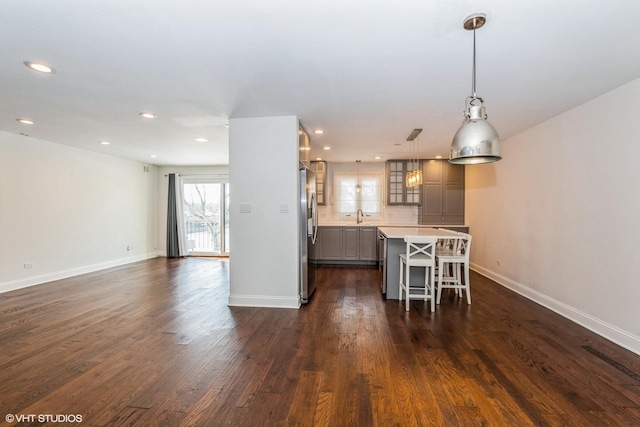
(476, 141)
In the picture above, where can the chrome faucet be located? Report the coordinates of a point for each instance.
(359, 216)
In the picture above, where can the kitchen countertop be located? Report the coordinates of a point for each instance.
(362, 224)
(382, 224)
(401, 232)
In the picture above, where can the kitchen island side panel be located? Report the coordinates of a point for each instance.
(395, 247)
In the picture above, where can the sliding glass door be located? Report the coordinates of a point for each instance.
(206, 216)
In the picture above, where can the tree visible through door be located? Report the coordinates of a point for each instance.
(206, 215)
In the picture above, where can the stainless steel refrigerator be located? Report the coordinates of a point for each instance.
(308, 219)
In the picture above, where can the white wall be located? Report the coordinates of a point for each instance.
(263, 171)
(69, 211)
(218, 172)
(560, 212)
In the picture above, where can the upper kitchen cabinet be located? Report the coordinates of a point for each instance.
(442, 193)
(320, 168)
(304, 146)
(397, 191)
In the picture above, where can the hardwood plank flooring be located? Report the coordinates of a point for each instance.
(154, 344)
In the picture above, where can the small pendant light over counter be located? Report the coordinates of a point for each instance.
(414, 176)
(476, 141)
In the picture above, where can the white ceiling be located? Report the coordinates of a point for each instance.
(367, 72)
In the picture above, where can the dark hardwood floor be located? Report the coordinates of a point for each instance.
(154, 343)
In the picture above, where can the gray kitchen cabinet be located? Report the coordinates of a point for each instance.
(397, 191)
(368, 244)
(442, 193)
(329, 243)
(346, 244)
(320, 168)
(350, 243)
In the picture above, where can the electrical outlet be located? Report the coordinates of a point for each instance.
(498, 263)
(28, 265)
(128, 248)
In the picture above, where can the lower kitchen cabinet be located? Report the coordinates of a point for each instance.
(368, 244)
(329, 244)
(346, 244)
(350, 243)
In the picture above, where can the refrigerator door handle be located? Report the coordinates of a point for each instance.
(314, 218)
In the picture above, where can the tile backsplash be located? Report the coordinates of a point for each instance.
(391, 215)
(401, 215)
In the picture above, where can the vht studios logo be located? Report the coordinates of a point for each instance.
(43, 418)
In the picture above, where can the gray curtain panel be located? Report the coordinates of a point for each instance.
(173, 248)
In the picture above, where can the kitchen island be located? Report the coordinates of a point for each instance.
(394, 245)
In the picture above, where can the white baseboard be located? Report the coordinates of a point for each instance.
(63, 274)
(263, 301)
(614, 334)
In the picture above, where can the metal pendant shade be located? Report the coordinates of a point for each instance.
(476, 141)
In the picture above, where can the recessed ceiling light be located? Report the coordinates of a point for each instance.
(318, 131)
(326, 148)
(438, 157)
(377, 157)
(153, 156)
(26, 121)
(40, 67)
(201, 139)
(318, 158)
(104, 142)
(148, 115)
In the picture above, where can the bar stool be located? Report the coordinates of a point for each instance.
(421, 252)
(451, 262)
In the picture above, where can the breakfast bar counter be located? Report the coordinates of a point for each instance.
(394, 245)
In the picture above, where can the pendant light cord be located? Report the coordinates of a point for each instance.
(473, 80)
